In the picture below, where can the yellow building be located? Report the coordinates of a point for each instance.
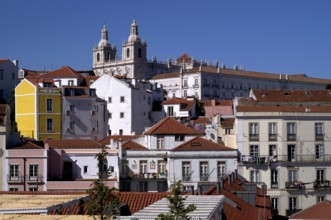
(38, 109)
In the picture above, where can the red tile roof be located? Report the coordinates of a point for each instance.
(106, 140)
(202, 120)
(249, 74)
(294, 95)
(217, 102)
(184, 59)
(131, 145)
(169, 126)
(287, 108)
(227, 123)
(200, 144)
(73, 144)
(185, 105)
(64, 72)
(3, 60)
(321, 210)
(29, 145)
(139, 200)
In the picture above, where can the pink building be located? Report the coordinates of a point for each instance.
(222, 107)
(53, 165)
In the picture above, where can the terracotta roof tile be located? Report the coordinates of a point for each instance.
(139, 200)
(294, 95)
(131, 145)
(227, 123)
(184, 104)
(73, 144)
(321, 210)
(106, 140)
(200, 144)
(184, 59)
(3, 60)
(202, 120)
(64, 72)
(29, 145)
(217, 102)
(275, 108)
(169, 126)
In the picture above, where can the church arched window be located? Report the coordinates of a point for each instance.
(98, 57)
(139, 52)
(127, 52)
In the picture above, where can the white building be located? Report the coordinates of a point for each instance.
(223, 83)
(168, 152)
(180, 108)
(8, 80)
(284, 141)
(129, 103)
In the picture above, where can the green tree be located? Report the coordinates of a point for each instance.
(102, 204)
(176, 205)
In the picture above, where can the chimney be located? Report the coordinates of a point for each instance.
(229, 179)
(15, 62)
(221, 183)
(218, 188)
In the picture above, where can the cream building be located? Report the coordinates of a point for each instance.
(284, 140)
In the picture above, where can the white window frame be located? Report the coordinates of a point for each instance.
(49, 105)
(160, 142)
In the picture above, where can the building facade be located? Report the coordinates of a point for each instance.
(283, 139)
(8, 80)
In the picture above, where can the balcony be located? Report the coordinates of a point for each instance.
(292, 211)
(274, 185)
(185, 86)
(322, 184)
(295, 185)
(196, 86)
(35, 179)
(319, 137)
(15, 179)
(272, 137)
(148, 176)
(265, 159)
(291, 137)
(253, 137)
(186, 178)
(203, 178)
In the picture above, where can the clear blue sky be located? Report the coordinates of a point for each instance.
(283, 36)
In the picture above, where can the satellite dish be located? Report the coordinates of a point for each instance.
(212, 136)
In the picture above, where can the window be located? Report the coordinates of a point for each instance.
(220, 168)
(186, 171)
(14, 172)
(49, 103)
(320, 198)
(319, 151)
(121, 114)
(49, 124)
(143, 166)
(179, 137)
(161, 166)
(227, 130)
(85, 169)
(139, 52)
(272, 132)
(109, 100)
(274, 203)
(318, 131)
(13, 189)
(254, 174)
(291, 131)
(292, 175)
(127, 52)
(171, 111)
(98, 57)
(13, 76)
(72, 108)
(33, 172)
(253, 131)
(122, 99)
(160, 142)
(196, 82)
(272, 150)
(292, 203)
(120, 132)
(254, 150)
(274, 179)
(110, 115)
(185, 93)
(204, 171)
(320, 175)
(70, 82)
(33, 189)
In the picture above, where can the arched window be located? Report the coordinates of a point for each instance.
(127, 52)
(139, 52)
(98, 57)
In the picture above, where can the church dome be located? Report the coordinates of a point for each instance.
(134, 37)
(104, 38)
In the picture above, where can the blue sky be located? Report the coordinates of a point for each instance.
(283, 36)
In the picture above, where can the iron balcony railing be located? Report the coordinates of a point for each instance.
(253, 137)
(186, 178)
(146, 176)
(203, 178)
(36, 179)
(15, 179)
(322, 184)
(272, 137)
(319, 137)
(29, 179)
(294, 185)
(266, 160)
(291, 137)
(291, 211)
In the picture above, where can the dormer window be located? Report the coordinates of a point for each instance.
(70, 82)
(47, 84)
